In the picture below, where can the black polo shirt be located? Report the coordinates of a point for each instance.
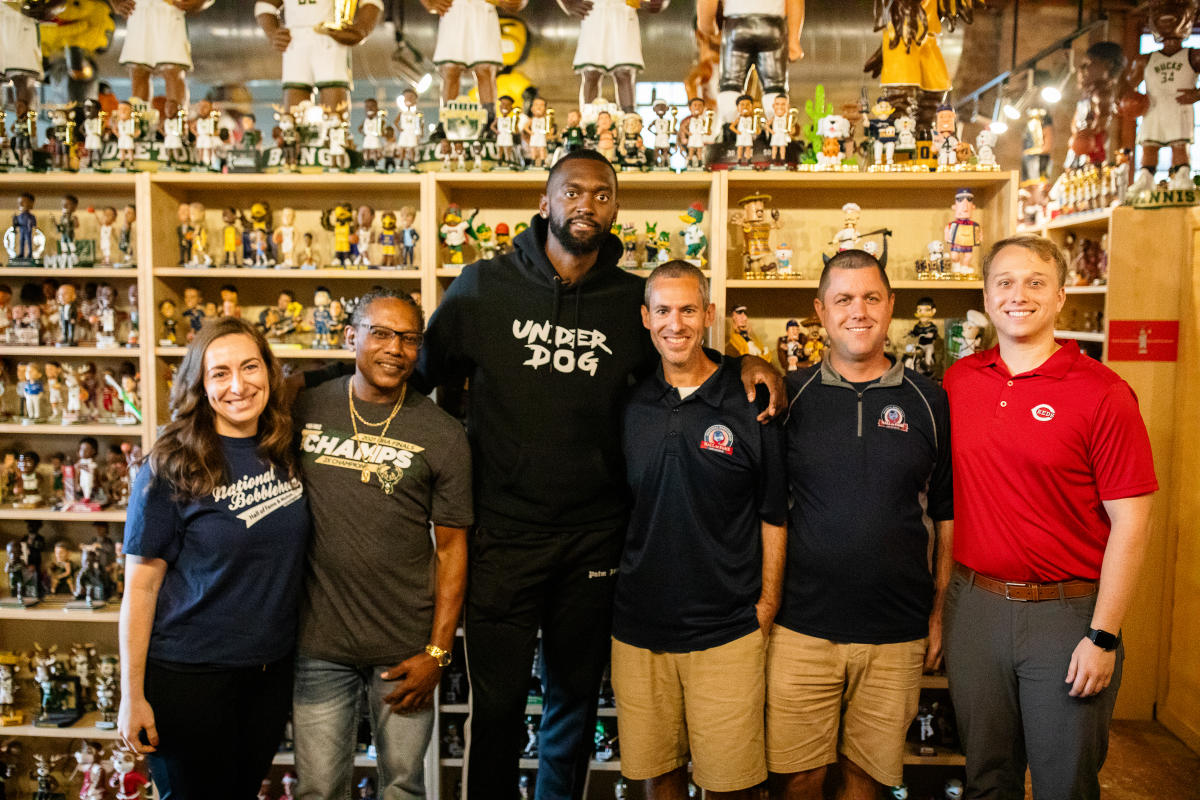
(868, 472)
(704, 474)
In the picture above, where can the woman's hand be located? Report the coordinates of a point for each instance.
(135, 716)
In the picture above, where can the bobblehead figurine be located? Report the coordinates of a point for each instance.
(538, 130)
(741, 339)
(315, 40)
(1170, 75)
(506, 124)
(663, 130)
(694, 241)
(20, 56)
(758, 33)
(408, 123)
(468, 37)
(695, 133)
(963, 236)
(156, 43)
(945, 137)
(372, 131)
(909, 63)
(1097, 78)
(610, 43)
(925, 340)
(757, 223)
(746, 128)
(782, 123)
(93, 131)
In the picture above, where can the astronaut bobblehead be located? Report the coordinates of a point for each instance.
(316, 44)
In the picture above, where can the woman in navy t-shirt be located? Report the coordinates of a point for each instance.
(215, 542)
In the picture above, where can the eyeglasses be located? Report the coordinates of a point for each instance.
(383, 336)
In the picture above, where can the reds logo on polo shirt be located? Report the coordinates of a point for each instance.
(718, 438)
(1043, 412)
(893, 417)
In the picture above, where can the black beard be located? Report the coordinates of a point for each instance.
(560, 229)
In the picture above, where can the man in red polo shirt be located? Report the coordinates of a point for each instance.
(1053, 480)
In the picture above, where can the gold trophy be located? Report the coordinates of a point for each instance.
(549, 122)
(793, 123)
(344, 12)
(706, 122)
(760, 120)
(673, 122)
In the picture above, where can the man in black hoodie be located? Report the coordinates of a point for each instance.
(549, 336)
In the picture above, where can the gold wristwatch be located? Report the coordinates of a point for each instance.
(442, 657)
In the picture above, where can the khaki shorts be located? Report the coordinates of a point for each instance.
(708, 703)
(825, 698)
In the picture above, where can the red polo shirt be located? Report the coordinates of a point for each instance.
(1034, 456)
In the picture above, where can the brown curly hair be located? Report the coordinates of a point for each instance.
(187, 454)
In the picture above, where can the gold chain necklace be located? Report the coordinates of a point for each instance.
(355, 418)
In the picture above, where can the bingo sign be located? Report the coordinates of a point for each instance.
(1143, 340)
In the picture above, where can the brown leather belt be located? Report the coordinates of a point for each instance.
(1029, 592)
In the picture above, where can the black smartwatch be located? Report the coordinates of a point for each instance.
(1103, 639)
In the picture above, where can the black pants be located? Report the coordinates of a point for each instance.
(757, 41)
(519, 581)
(218, 729)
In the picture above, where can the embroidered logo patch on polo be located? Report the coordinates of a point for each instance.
(718, 438)
(893, 417)
(1043, 412)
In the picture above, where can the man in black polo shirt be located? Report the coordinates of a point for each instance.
(868, 451)
(702, 567)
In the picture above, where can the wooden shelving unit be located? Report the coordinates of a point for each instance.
(915, 207)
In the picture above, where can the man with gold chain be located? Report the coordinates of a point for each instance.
(381, 464)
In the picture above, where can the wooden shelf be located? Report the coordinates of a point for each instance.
(450, 272)
(1082, 336)
(289, 183)
(1102, 289)
(85, 728)
(811, 283)
(62, 516)
(50, 351)
(1097, 218)
(291, 272)
(82, 429)
(73, 273)
(55, 609)
(282, 352)
(942, 758)
(77, 182)
(860, 181)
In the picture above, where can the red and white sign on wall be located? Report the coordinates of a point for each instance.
(1143, 340)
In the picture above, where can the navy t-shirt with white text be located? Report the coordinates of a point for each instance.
(235, 561)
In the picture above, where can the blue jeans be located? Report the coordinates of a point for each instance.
(325, 715)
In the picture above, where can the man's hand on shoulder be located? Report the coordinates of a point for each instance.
(418, 678)
(755, 371)
(1091, 669)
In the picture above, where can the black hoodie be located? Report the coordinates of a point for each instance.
(550, 365)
